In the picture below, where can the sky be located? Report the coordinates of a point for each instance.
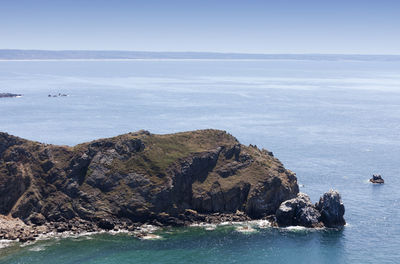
(246, 26)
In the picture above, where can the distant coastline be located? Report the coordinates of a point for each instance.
(106, 55)
(9, 95)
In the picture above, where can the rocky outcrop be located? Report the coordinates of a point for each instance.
(299, 211)
(331, 207)
(377, 178)
(141, 177)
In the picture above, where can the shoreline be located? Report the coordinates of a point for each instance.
(52, 230)
(148, 231)
(14, 229)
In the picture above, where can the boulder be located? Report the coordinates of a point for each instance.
(377, 178)
(286, 212)
(106, 224)
(37, 219)
(331, 207)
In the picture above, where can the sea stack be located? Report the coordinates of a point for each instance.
(299, 211)
(377, 178)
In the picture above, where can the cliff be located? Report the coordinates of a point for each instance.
(140, 177)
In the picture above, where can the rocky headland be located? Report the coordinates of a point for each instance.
(142, 178)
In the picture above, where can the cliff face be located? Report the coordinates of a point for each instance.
(140, 176)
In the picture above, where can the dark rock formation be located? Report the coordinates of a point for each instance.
(5, 95)
(300, 211)
(171, 179)
(377, 178)
(331, 207)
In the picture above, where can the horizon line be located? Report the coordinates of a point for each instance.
(200, 52)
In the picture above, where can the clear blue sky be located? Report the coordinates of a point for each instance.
(269, 26)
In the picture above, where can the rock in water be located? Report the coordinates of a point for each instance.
(298, 211)
(377, 178)
(5, 95)
(331, 207)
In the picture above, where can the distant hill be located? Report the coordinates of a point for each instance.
(14, 54)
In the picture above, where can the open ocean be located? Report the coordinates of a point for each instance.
(333, 122)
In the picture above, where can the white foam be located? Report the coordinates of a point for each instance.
(260, 223)
(225, 223)
(295, 228)
(147, 229)
(5, 243)
(210, 227)
(150, 237)
(301, 229)
(206, 226)
(37, 248)
(247, 229)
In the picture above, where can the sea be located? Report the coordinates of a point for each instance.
(334, 122)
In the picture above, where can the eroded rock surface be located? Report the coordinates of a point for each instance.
(299, 211)
(141, 177)
(331, 207)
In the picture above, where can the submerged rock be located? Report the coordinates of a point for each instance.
(331, 207)
(377, 178)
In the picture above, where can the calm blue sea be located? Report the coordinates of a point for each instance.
(334, 123)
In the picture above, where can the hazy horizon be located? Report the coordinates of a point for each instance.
(194, 51)
(252, 27)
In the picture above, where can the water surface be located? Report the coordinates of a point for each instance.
(332, 122)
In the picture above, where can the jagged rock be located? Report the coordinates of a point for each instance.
(128, 147)
(331, 207)
(298, 211)
(37, 219)
(166, 219)
(309, 217)
(12, 185)
(377, 178)
(266, 198)
(105, 223)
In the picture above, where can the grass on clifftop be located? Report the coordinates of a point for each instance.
(161, 151)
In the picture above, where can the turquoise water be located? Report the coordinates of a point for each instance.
(332, 122)
(190, 245)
